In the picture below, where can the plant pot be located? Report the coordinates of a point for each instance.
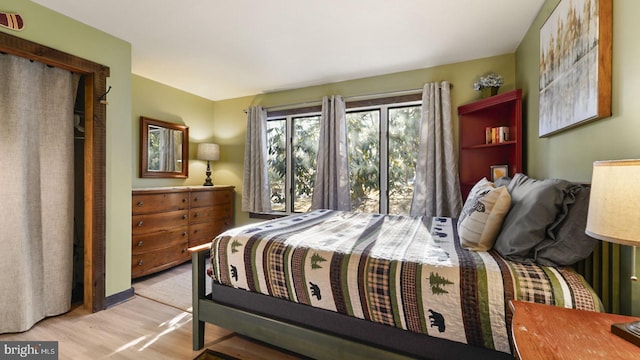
(489, 91)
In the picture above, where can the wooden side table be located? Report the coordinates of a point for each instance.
(551, 332)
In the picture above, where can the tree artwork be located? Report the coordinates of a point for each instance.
(437, 283)
(316, 259)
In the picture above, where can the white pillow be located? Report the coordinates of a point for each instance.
(481, 218)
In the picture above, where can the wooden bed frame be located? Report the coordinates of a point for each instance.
(336, 343)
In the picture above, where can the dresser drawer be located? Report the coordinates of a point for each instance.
(143, 224)
(201, 233)
(150, 262)
(153, 203)
(208, 214)
(221, 225)
(211, 197)
(158, 240)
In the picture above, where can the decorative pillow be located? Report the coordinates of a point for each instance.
(535, 206)
(481, 218)
(571, 244)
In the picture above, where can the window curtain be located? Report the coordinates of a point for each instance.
(437, 186)
(331, 189)
(255, 192)
(36, 216)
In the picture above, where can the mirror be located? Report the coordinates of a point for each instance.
(164, 149)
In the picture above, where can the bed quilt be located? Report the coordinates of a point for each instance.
(393, 270)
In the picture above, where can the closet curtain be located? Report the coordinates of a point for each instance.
(255, 193)
(36, 216)
(331, 189)
(437, 186)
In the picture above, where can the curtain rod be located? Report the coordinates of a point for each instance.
(347, 99)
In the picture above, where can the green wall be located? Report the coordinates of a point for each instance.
(162, 102)
(230, 120)
(51, 29)
(570, 154)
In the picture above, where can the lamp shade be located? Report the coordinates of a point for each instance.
(614, 203)
(208, 152)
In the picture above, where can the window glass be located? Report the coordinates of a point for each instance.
(404, 128)
(306, 132)
(363, 134)
(276, 162)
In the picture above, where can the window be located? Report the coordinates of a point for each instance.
(383, 149)
(302, 148)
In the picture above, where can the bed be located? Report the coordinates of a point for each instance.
(333, 284)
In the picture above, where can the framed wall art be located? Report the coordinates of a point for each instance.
(575, 65)
(498, 171)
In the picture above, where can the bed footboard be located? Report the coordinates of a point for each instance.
(198, 286)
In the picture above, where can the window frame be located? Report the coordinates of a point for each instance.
(382, 104)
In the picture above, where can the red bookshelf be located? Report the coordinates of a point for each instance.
(476, 156)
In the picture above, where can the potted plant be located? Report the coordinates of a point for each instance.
(488, 84)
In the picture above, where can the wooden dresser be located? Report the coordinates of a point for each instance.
(168, 221)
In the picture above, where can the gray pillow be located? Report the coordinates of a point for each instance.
(571, 244)
(535, 206)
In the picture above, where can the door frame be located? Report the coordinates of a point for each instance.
(94, 156)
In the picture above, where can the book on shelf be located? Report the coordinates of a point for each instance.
(496, 135)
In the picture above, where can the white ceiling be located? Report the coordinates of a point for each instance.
(221, 49)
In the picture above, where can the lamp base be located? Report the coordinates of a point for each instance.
(629, 331)
(207, 181)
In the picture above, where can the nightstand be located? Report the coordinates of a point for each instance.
(551, 332)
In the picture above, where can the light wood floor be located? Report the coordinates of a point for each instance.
(139, 328)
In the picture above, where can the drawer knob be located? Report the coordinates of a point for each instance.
(139, 243)
(196, 231)
(140, 263)
(184, 200)
(195, 198)
(184, 233)
(184, 251)
(140, 223)
(184, 216)
(196, 214)
(140, 203)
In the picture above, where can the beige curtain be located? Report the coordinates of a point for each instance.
(437, 186)
(36, 216)
(255, 193)
(331, 189)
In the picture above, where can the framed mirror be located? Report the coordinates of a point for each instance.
(164, 149)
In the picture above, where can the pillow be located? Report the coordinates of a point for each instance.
(571, 244)
(481, 218)
(535, 205)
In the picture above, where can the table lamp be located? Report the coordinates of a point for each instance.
(614, 216)
(209, 152)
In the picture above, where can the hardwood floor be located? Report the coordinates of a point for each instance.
(139, 328)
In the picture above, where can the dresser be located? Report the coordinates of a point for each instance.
(167, 221)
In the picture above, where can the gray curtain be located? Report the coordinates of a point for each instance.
(437, 186)
(255, 192)
(36, 216)
(331, 189)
